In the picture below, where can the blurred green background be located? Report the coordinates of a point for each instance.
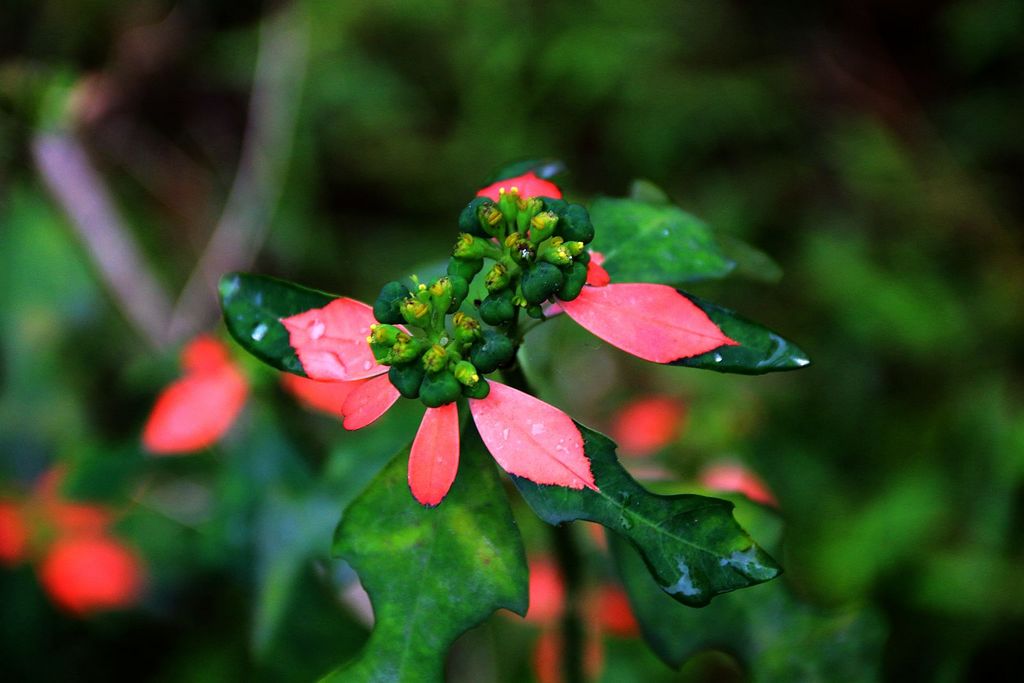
(874, 149)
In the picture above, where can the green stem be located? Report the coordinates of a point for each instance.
(570, 566)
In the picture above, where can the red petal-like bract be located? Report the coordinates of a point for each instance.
(613, 613)
(434, 458)
(597, 276)
(653, 322)
(648, 424)
(86, 574)
(528, 184)
(331, 341)
(13, 534)
(532, 439)
(368, 401)
(204, 353)
(547, 591)
(195, 411)
(729, 477)
(327, 397)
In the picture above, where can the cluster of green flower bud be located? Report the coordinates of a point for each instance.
(538, 246)
(429, 359)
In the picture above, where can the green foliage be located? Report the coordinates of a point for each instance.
(643, 242)
(253, 307)
(758, 349)
(432, 573)
(691, 544)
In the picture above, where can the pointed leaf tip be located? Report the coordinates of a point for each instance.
(532, 439)
(653, 322)
(331, 341)
(434, 458)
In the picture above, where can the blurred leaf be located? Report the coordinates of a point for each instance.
(644, 242)
(431, 573)
(778, 638)
(543, 168)
(750, 261)
(253, 307)
(693, 547)
(760, 350)
(647, 192)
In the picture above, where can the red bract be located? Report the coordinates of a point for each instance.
(648, 424)
(197, 410)
(526, 436)
(13, 534)
(547, 591)
(86, 574)
(528, 184)
(613, 613)
(730, 477)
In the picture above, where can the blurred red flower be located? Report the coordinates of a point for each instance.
(648, 424)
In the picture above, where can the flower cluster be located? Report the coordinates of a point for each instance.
(433, 343)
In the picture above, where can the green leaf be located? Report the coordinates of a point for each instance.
(759, 351)
(693, 547)
(661, 243)
(431, 573)
(544, 168)
(751, 262)
(253, 306)
(777, 638)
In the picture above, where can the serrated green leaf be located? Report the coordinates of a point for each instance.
(543, 168)
(693, 547)
(431, 573)
(253, 306)
(776, 637)
(759, 350)
(646, 242)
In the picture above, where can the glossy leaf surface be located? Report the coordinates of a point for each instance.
(431, 573)
(644, 242)
(253, 306)
(693, 547)
(758, 349)
(774, 635)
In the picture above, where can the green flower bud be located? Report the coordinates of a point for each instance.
(497, 277)
(385, 335)
(540, 281)
(469, 247)
(582, 257)
(386, 308)
(479, 390)
(465, 268)
(527, 210)
(575, 225)
(441, 294)
(508, 202)
(575, 248)
(535, 311)
(435, 358)
(460, 288)
(405, 350)
(497, 308)
(470, 218)
(555, 206)
(439, 388)
(466, 373)
(575, 278)
(543, 226)
(554, 251)
(491, 218)
(407, 378)
(415, 312)
(491, 352)
(466, 328)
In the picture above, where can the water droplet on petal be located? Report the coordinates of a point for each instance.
(317, 329)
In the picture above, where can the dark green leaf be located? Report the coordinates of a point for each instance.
(692, 545)
(644, 242)
(759, 351)
(544, 168)
(432, 573)
(253, 307)
(778, 638)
